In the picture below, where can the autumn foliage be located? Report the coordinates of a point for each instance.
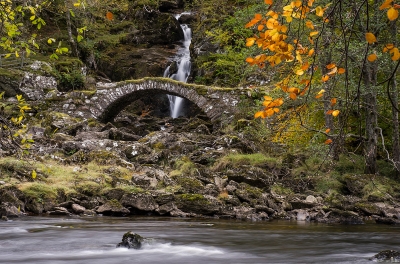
(281, 45)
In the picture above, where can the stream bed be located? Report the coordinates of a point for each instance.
(94, 240)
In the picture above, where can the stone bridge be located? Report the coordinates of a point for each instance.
(111, 98)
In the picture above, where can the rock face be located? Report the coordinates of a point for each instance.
(131, 240)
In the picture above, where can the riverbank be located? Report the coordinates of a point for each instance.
(183, 169)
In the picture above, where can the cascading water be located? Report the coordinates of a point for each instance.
(183, 64)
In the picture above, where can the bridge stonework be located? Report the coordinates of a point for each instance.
(111, 98)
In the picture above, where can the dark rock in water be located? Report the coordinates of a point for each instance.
(387, 221)
(59, 211)
(131, 240)
(9, 210)
(387, 256)
(113, 208)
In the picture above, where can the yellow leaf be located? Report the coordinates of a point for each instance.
(19, 97)
(16, 54)
(370, 37)
(267, 98)
(299, 72)
(328, 141)
(314, 33)
(77, 4)
(392, 14)
(372, 57)
(259, 114)
(319, 11)
(335, 113)
(386, 4)
(250, 42)
(34, 174)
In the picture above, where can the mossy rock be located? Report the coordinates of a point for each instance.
(189, 184)
(197, 204)
(10, 80)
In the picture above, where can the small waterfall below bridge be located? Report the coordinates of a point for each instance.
(183, 64)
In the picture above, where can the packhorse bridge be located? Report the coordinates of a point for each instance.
(111, 98)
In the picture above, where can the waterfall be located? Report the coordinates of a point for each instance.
(183, 64)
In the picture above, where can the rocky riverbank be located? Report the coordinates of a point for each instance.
(184, 167)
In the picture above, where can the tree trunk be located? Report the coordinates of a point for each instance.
(72, 42)
(371, 117)
(395, 114)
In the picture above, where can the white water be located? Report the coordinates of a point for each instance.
(184, 65)
(40, 240)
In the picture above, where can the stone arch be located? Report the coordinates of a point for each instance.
(110, 99)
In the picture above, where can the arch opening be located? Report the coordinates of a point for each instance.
(146, 111)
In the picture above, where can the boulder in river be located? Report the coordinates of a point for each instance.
(131, 240)
(387, 256)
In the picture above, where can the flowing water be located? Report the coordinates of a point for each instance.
(93, 240)
(184, 65)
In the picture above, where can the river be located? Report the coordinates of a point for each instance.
(93, 240)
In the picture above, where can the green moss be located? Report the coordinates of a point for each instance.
(158, 146)
(39, 191)
(234, 160)
(280, 189)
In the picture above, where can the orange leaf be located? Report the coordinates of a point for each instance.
(293, 96)
(392, 14)
(396, 6)
(386, 4)
(311, 52)
(305, 66)
(325, 78)
(268, 2)
(109, 16)
(333, 101)
(372, 57)
(396, 54)
(341, 70)
(328, 141)
(331, 66)
(370, 37)
(310, 24)
(336, 113)
(319, 95)
(328, 130)
(260, 27)
(329, 112)
(250, 60)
